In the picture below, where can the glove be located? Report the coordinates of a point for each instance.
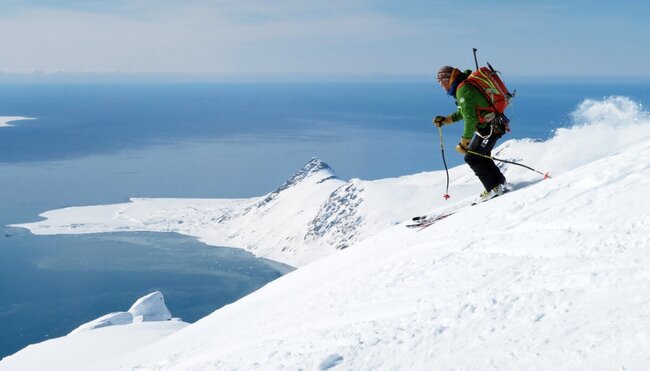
(462, 146)
(439, 121)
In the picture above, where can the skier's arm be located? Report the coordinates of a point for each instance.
(456, 116)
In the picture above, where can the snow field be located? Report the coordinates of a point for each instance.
(554, 276)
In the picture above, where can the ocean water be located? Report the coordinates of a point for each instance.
(51, 285)
(104, 143)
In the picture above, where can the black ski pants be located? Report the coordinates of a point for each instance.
(484, 168)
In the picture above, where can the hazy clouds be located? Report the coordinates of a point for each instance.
(285, 37)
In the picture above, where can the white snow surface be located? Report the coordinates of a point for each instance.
(102, 340)
(148, 308)
(554, 276)
(5, 120)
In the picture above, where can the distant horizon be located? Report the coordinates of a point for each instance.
(185, 77)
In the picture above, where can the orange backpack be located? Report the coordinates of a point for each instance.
(487, 81)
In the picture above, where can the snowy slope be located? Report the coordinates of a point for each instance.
(102, 340)
(554, 276)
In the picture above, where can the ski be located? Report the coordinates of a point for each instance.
(422, 221)
(425, 221)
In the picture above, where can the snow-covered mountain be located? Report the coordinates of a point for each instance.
(308, 217)
(553, 276)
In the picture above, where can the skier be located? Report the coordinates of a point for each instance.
(481, 132)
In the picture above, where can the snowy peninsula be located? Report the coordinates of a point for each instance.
(553, 276)
(5, 120)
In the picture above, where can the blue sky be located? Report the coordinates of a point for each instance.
(353, 37)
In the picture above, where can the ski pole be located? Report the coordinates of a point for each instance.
(475, 60)
(442, 149)
(509, 162)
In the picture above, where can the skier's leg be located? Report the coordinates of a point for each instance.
(482, 169)
(497, 176)
(485, 169)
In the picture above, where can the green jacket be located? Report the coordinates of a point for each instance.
(468, 98)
